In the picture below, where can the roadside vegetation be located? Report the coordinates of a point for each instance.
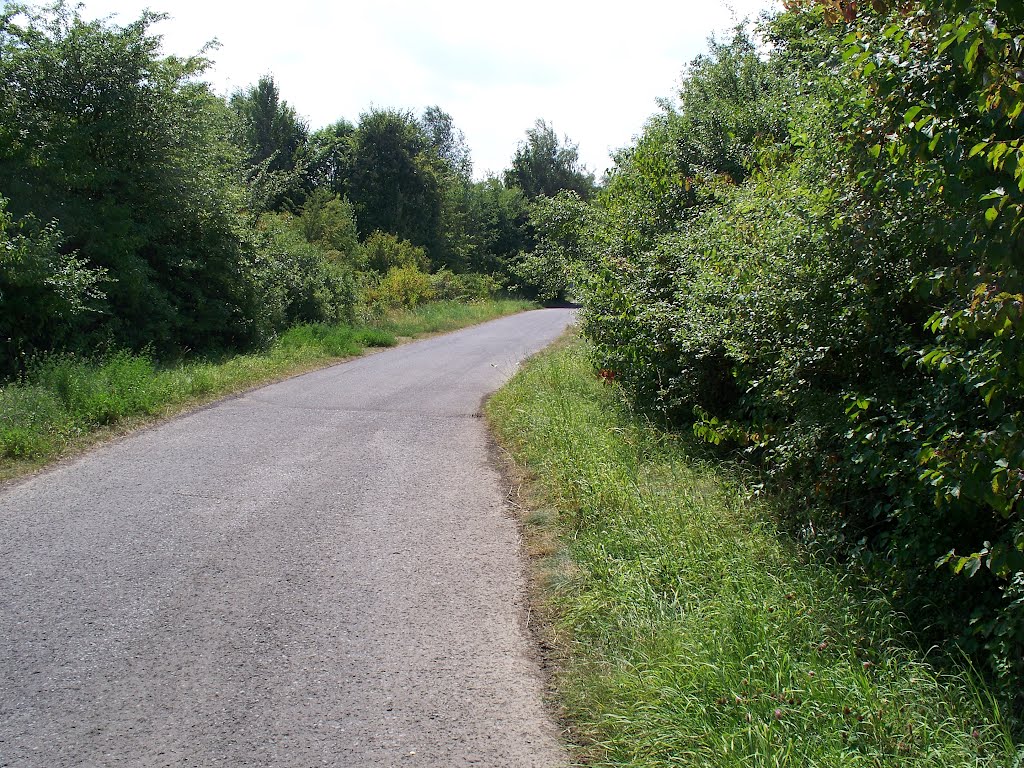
(161, 245)
(809, 263)
(689, 628)
(66, 401)
(811, 260)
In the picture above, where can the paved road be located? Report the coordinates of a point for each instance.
(319, 573)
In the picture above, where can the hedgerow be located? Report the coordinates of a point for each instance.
(813, 258)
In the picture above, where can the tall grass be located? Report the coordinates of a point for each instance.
(442, 316)
(693, 631)
(63, 399)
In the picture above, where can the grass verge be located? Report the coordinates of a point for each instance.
(444, 316)
(688, 630)
(66, 402)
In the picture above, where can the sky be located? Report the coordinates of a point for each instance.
(592, 70)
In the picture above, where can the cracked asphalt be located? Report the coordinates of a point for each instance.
(321, 572)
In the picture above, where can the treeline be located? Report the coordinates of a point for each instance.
(813, 258)
(140, 210)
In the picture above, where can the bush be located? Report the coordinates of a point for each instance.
(401, 287)
(127, 151)
(469, 286)
(306, 286)
(842, 310)
(46, 293)
(329, 222)
(545, 273)
(383, 251)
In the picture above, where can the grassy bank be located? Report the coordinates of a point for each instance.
(444, 316)
(65, 402)
(689, 630)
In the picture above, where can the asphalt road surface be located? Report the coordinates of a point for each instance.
(321, 572)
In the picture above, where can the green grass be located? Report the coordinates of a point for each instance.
(63, 402)
(442, 316)
(689, 630)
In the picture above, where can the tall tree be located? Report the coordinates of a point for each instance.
(498, 224)
(448, 141)
(274, 139)
(544, 165)
(330, 157)
(395, 184)
(271, 129)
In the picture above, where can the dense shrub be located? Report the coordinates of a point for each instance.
(814, 259)
(126, 151)
(469, 286)
(46, 294)
(308, 286)
(329, 221)
(129, 158)
(383, 251)
(545, 272)
(402, 287)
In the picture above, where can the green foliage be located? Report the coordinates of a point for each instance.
(395, 183)
(953, 129)
(406, 176)
(544, 272)
(813, 259)
(448, 142)
(62, 396)
(45, 294)
(127, 152)
(401, 287)
(649, 183)
(498, 224)
(544, 165)
(383, 251)
(322, 340)
(468, 286)
(273, 139)
(308, 286)
(690, 630)
(732, 101)
(330, 157)
(329, 221)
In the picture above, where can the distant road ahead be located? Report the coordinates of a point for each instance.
(321, 572)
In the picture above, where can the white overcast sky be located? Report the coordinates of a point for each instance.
(591, 69)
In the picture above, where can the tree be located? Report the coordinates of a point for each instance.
(448, 141)
(498, 225)
(543, 165)
(330, 157)
(271, 130)
(45, 292)
(546, 272)
(125, 149)
(395, 184)
(731, 99)
(273, 138)
(329, 221)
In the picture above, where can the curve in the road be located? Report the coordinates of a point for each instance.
(318, 573)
